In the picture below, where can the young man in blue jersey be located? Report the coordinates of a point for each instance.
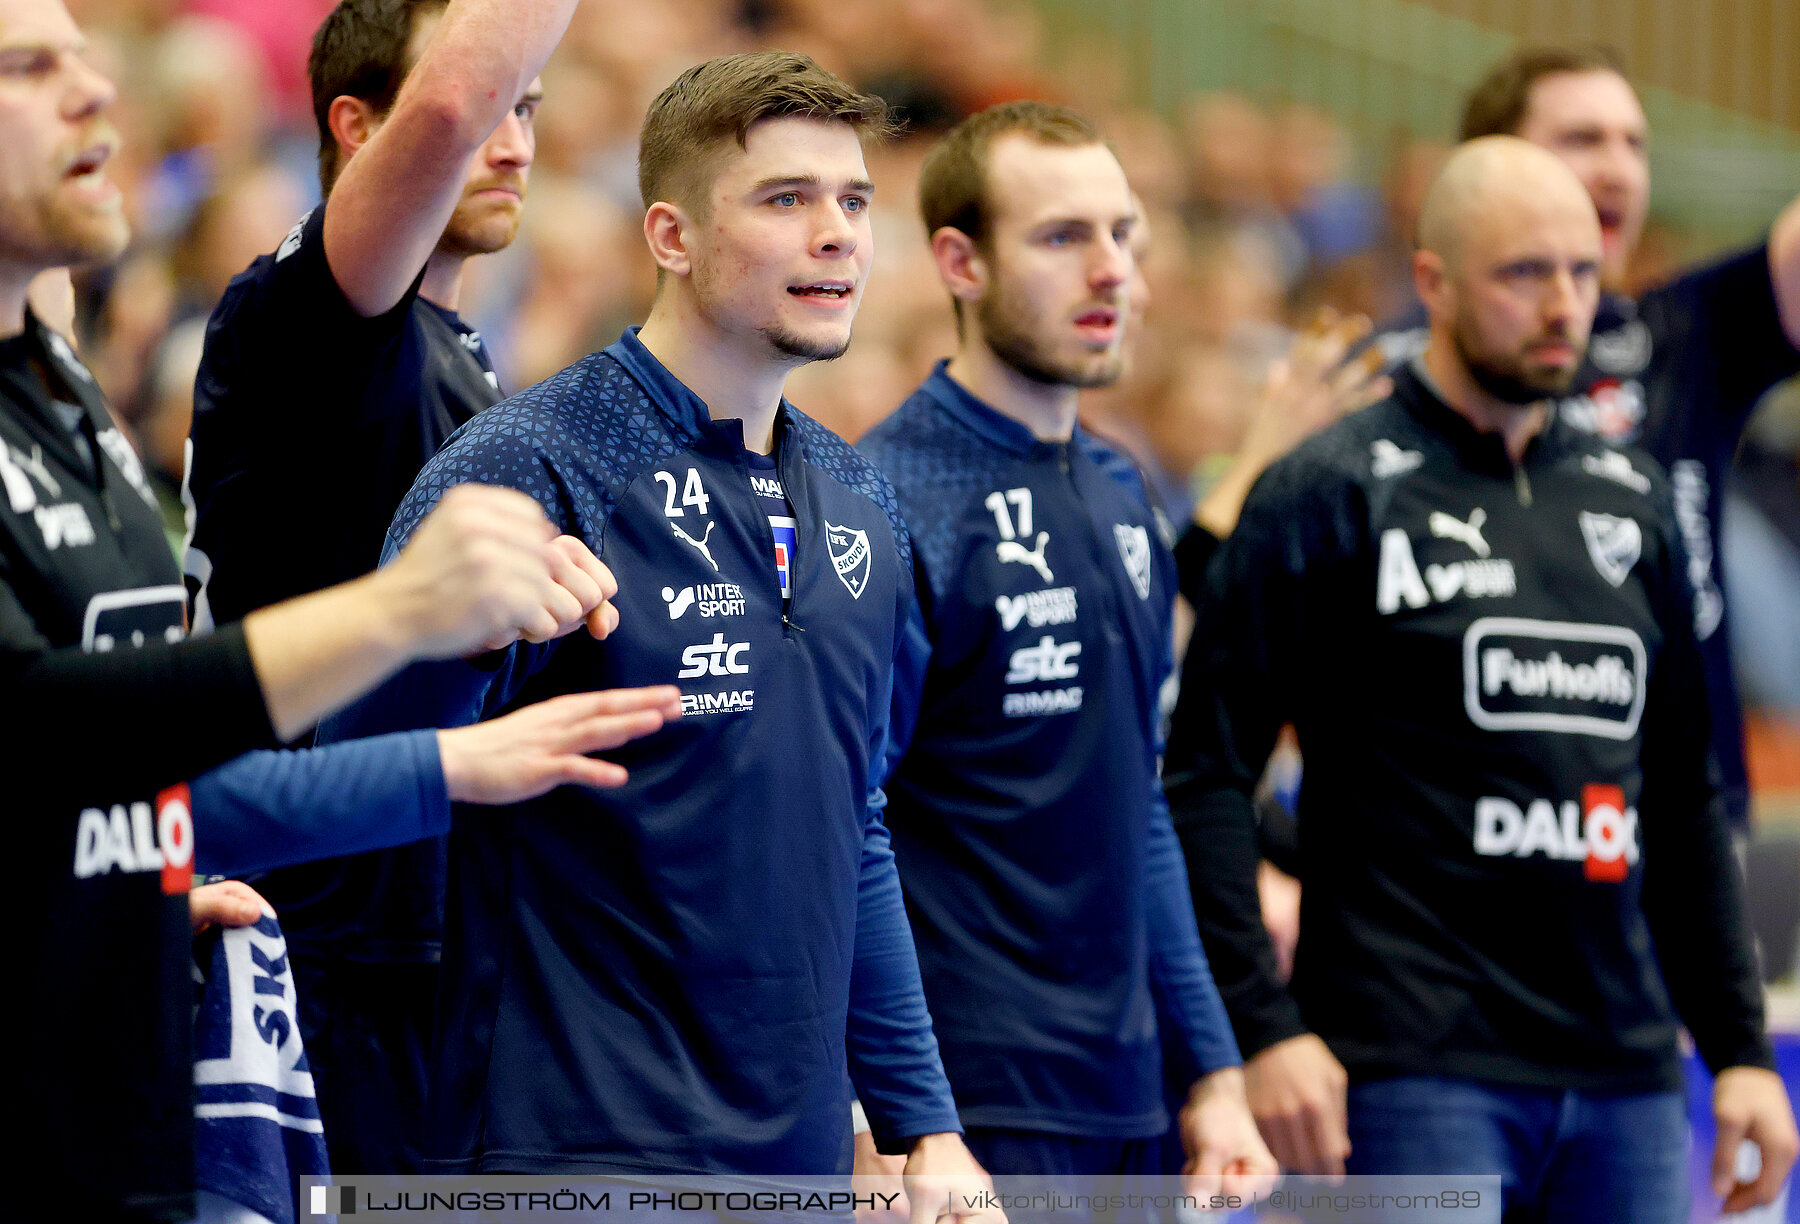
(1041, 873)
(672, 977)
(333, 369)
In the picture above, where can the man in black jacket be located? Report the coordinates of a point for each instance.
(1479, 621)
(111, 710)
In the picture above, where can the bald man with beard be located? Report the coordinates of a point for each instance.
(1519, 882)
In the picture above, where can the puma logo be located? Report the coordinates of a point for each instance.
(1447, 528)
(1012, 550)
(699, 544)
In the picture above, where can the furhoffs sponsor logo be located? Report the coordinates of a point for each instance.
(1530, 675)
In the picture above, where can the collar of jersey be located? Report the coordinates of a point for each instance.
(1423, 404)
(677, 401)
(990, 423)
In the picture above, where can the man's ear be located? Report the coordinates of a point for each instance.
(352, 122)
(960, 265)
(665, 230)
(1431, 278)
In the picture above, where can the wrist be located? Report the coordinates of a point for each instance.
(450, 760)
(392, 618)
(1225, 1082)
(928, 1143)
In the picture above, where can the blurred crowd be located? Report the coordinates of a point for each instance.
(1258, 217)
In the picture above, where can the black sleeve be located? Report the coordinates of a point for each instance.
(1194, 550)
(98, 727)
(1236, 692)
(1719, 341)
(1693, 891)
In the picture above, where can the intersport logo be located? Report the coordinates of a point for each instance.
(1056, 606)
(1600, 832)
(1530, 675)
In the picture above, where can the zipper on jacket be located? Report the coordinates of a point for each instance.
(1522, 485)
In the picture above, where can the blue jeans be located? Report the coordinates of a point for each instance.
(1563, 1157)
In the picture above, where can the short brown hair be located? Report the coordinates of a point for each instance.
(1498, 103)
(722, 99)
(953, 179)
(360, 51)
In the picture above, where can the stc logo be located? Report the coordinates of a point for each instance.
(714, 658)
(1048, 660)
(1600, 832)
(133, 839)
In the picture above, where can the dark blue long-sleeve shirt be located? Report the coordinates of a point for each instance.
(1041, 872)
(669, 977)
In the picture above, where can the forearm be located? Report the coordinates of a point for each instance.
(389, 207)
(1694, 905)
(1186, 994)
(894, 1061)
(271, 809)
(481, 60)
(1217, 832)
(182, 707)
(319, 652)
(1218, 511)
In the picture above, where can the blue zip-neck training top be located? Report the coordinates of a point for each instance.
(1042, 876)
(668, 977)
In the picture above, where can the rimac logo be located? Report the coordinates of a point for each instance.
(714, 658)
(1600, 833)
(1048, 660)
(849, 548)
(1041, 702)
(732, 701)
(138, 837)
(1037, 608)
(708, 598)
(1134, 550)
(1530, 675)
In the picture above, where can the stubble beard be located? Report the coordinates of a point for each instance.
(469, 235)
(1510, 381)
(788, 343)
(1007, 335)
